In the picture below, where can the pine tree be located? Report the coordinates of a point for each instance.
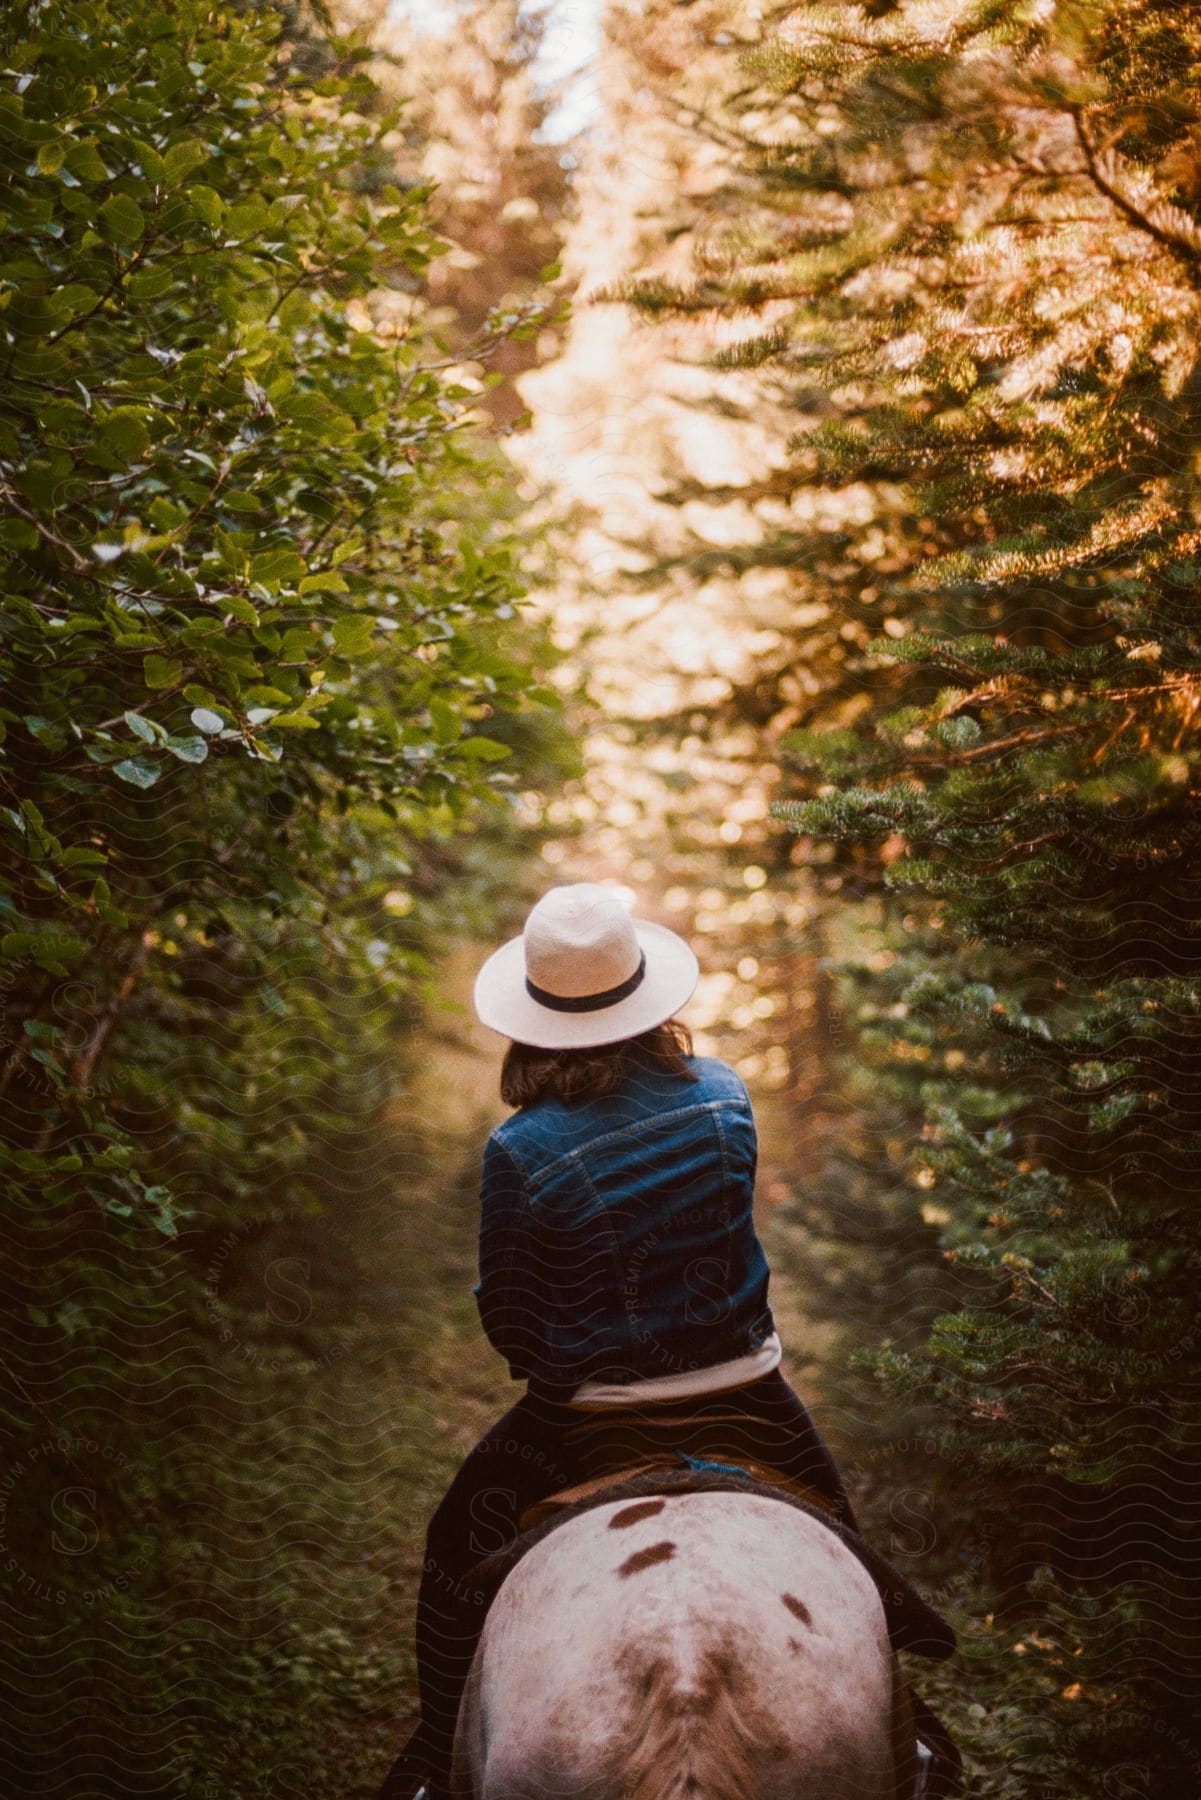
(968, 237)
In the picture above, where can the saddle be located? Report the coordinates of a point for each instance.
(607, 1441)
(595, 1491)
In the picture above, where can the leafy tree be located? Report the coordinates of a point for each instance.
(261, 667)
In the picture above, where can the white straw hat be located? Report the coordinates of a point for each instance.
(584, 971)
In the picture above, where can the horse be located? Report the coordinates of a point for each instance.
(690, 1646)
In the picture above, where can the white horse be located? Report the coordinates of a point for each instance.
(714, 1645)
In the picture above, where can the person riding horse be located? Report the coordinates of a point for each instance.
(620, 1273)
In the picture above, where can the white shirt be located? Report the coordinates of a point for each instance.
(686, 1382)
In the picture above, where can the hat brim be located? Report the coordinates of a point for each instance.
(503, 1003)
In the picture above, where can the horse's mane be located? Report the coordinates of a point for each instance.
(694, 1740)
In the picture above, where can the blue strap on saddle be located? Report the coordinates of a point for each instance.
(713, 1468)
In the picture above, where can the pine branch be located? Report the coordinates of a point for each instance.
(1168, 225)
(1020, 740)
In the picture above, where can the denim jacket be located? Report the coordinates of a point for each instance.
(616, 1236)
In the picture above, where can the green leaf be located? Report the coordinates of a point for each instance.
(140, 771)
(246, 219)
(274, 566)
(482, 749)
(325, 581)
(447, 721)
(74, 299)
(352, 634)
(263, 694)
(298, 645)
(296, 721)
(151, 284)
(207, 204)
(46, 731)
(65, 946)
(125, 433)
(152, 165)
(190, 749)
(52, 156)
(161, 671)
(85, 162)
(204, 720)
(181, 159)
(122, 221)
(239, 607)
(148, 732)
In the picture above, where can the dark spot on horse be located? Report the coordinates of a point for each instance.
(794, 1646)
(646, 1559)
(630, 1515)
(797, 1608)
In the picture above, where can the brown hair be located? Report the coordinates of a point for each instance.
(529, 1073)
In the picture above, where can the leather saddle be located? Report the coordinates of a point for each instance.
(595, 1491)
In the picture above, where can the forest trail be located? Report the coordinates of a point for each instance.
(844, 457)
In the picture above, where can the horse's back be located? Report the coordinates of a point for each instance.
(716, 1645)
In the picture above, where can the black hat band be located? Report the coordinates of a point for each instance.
(587, 1002)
